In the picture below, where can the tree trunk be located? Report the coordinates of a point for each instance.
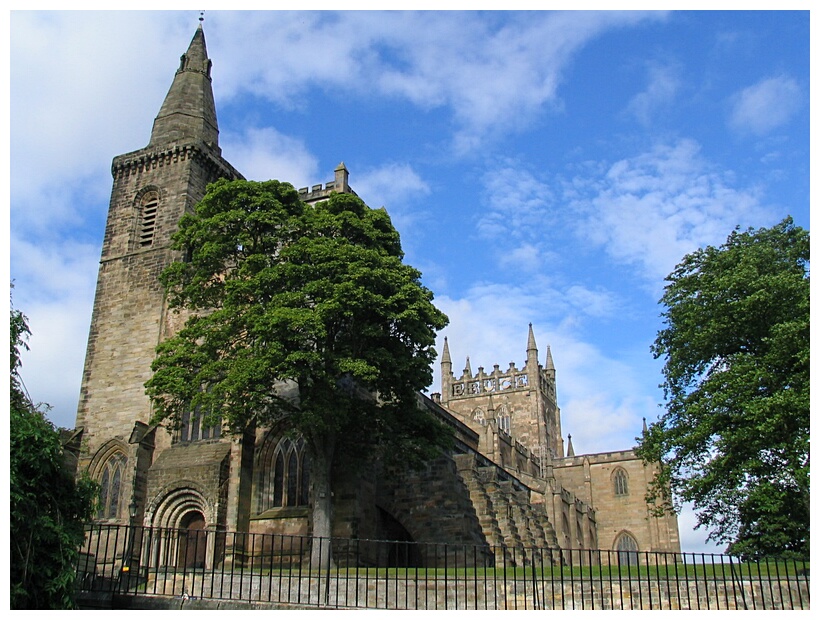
(322, 499)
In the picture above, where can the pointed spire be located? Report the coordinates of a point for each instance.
(550, 363)
(445, 355)
(645, 430)
(570, 449)
(531, 341)
(467, 370)
(188, 113)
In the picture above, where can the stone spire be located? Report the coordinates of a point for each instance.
(188, 113)
(532, 351)
(468, 371)
(550, 363)
(570, 449)
(446, 362)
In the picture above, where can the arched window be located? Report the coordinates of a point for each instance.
(619, 482)
(478, 415)
(284, 477)
(627, 548)
(148, 214)
(502, 416)
(111, 480)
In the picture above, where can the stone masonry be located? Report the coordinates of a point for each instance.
(508, 481)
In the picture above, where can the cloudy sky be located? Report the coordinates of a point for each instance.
(544, 168)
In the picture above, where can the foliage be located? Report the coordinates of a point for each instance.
(734, 439)
(47, 508)
(299, 315)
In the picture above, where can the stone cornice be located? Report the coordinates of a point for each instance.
(151, 158)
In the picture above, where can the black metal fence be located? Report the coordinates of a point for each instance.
(351, 573)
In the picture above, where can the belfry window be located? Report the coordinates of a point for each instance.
(284, 475)
(149, 205)
(111, 486)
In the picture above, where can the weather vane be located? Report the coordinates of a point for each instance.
(201, 16)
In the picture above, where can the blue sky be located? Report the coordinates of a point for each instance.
(544, 168)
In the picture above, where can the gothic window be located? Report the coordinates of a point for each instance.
(504, 423)
(284, 475)
(148, 224)
(478, 415)
(619, 482)
(111, 486)
(192, 428)
(627, 548)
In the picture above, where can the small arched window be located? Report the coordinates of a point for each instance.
(111, 481)
(620, 483)
(478, 415)
(148, 214)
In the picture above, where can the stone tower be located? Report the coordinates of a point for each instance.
(153, 187)
(522, 402)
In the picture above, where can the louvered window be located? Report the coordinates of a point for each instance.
(149, 219)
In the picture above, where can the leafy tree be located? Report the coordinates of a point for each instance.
(301, 315)
(47, 507)
(734, 439)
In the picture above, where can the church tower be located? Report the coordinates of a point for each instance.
(520, 403)
(152, 188)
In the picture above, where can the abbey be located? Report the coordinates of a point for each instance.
(510, 479)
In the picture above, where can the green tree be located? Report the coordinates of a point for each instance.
(48, 509)
(302, 315)
(734, 439)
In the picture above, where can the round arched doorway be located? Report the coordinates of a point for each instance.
(193, 540)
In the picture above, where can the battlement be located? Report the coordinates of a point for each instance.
(482, 383)
(318, 192)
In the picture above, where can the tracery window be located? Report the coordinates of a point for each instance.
(627, 548)
(111, 480)
(284, 475)
(620, 483)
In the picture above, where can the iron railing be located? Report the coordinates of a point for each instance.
(350, 573)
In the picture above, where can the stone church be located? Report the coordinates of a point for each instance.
(510, 479)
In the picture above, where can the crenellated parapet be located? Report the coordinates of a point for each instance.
(319, 192)
(469, 384)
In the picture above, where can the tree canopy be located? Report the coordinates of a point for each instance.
(47, 508)
(302, 315)
(734, 439)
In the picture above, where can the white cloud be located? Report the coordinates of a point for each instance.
(765, 106)
(265, 153)
(492, 78)
(651, 210)
(518, 205)
(390, 184)
(662, 87)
